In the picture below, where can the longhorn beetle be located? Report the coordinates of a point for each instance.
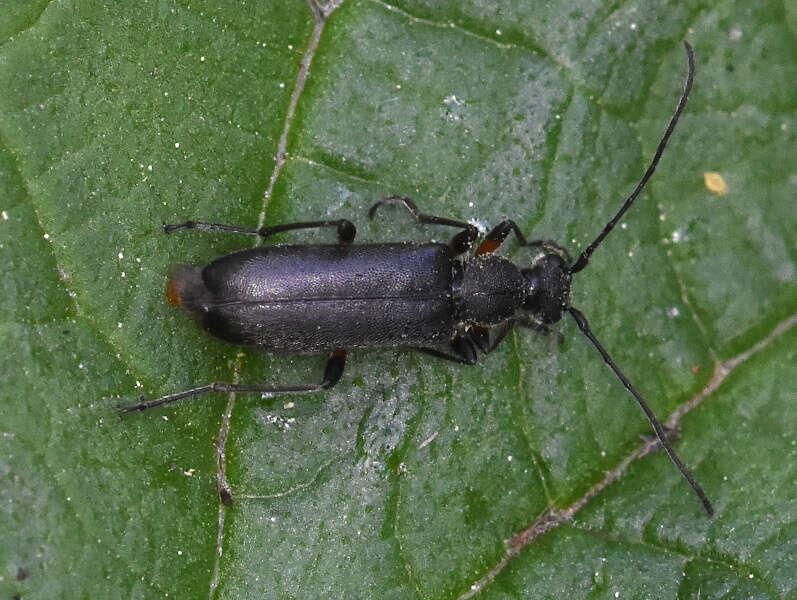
(328, 298)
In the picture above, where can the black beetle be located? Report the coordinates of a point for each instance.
(330, 298)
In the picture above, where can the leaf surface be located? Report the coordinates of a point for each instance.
(411, 477)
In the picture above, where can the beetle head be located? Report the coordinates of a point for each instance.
(548, 292)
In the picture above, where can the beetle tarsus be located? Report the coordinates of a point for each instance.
(210, 227)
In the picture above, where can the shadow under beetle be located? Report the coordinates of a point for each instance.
(329, 298)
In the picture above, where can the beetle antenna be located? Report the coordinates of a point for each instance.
(583, 325)
(584, 258)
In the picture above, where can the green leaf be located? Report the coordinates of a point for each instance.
(412, 478)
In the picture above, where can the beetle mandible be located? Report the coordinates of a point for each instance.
(330, 298)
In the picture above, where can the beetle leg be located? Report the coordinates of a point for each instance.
(498, 333)
(480, 336)
(459, 244)
(475, 341)
(497, 235)
(346, 229)
(420, 218)
(500, 232)
(465, 352)
(332, 373)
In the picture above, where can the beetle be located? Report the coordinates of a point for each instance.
(327, 298)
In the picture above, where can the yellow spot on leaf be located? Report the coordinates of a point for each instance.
(715, 183)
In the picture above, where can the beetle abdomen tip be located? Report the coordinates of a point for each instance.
(172, 294)
(186, 288)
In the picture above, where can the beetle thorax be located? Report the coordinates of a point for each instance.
(491, 290)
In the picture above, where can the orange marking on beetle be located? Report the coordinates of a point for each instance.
(172, 295)
(488, 246)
